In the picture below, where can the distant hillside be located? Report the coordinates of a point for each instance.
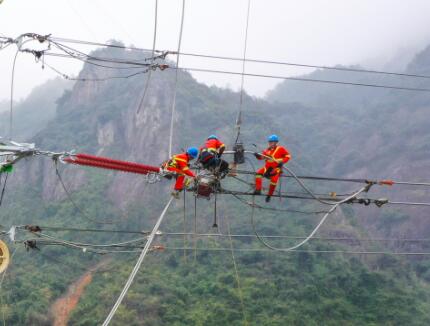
(32, 114)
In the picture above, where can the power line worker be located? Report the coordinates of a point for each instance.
(210, 156)
(179, 164)
(275, 156)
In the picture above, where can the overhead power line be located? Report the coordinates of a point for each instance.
(335, 82)
(230, 58)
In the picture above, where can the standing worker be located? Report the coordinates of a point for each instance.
(276, 156)
(210, 156)
(179, 164)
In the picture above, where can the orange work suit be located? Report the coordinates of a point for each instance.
(271, 169)
(213, 145)
(179, 164)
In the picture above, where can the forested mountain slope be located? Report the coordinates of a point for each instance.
(200, 288)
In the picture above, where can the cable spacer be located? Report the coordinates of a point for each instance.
(381, 201)
(33, 228)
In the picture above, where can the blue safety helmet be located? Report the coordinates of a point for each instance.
(212, 137)
(193, 152)
(273, 138)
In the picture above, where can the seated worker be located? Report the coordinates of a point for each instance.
(179, 164)
(210, 156)
(275, 156)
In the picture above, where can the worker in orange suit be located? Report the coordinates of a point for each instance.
(210, 156)
(179, 164)
(276, 156)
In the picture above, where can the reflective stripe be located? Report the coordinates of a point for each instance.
(276, 150)
(258, 176)
(273, 183)
(185, 168)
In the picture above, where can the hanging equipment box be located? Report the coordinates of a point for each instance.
(239, 153)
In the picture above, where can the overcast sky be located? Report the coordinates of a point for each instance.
(322, 32)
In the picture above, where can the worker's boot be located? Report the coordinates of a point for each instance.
(175, 194)
(268, 198)
(257, 192)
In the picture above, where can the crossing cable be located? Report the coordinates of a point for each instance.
(286, 210)
(117, 244)
(148, 78)
(280, 193)
(303, 79)
(60, 228)
(86, 58)
(242, 80)
(388, 182)
(221, 235)
(300, 182)
(67, 77)
(137, 266)
(75, 205)
(239, 287)
(175, 88)
(307, 251)
(195, 234)
(407, 203)
(68, 40)
(336, 82)
(332, 209)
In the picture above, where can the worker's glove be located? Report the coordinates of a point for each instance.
(268, 172)
(257, 155)
(280, 165)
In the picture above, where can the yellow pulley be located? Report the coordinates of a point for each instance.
(4, 256)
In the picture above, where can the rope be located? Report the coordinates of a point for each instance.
(239, 116)
(86, 216)
(137, 266)
(3, 189)
(239, 288)
(185, 227)
(195, 229)
(313, 231)
(11, 95)
(148, 79)
(175, 88)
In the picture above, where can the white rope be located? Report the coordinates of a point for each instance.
(176, 80)
(148, 79)
(314, 230)
(137, 266)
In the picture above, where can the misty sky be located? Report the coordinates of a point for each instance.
(370, 32)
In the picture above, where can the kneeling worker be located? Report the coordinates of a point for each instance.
(179, 164)
(210, 156)
(275, 156)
